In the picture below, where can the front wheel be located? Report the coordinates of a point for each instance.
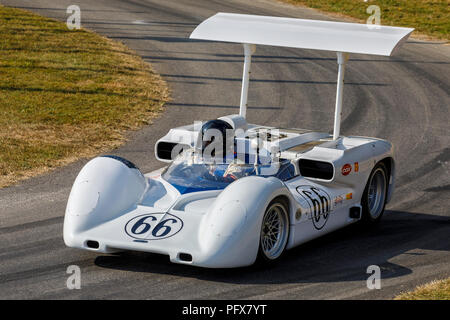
(274, 231)
(374, 197)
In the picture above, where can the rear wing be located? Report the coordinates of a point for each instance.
(343, 38)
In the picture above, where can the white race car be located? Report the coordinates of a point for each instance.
(230, 214)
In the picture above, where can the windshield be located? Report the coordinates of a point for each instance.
(189, 174)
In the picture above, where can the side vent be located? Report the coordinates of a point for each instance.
(92, 244)
(164, 149)
(186, 257)
(355, 213)
(316, 169)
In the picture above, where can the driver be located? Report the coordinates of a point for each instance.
(218, 148)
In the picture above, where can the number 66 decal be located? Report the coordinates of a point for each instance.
(153, 226)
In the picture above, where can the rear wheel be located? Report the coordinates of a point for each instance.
(274, 231)
(374, 196)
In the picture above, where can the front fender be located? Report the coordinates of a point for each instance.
(104, 189)
(230, 231)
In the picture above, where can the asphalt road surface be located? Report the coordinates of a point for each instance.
(404, 99)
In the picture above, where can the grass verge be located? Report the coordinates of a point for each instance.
(435, 290)
(429, 17)
(66, 94)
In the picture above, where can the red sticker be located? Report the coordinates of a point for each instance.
(346, 169)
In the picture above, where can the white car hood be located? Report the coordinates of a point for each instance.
(162, 196)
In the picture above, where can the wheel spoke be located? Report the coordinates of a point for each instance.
(274, 231)
(376, 193)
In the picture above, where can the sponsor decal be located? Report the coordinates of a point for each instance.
(356, 166)
(338, 200)
(153, 226)
(319, 203)
(346, 169)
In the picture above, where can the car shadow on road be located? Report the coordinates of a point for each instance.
(343, 255)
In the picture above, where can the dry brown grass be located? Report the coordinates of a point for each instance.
(66, 94)
(435, 290)
(430, 18)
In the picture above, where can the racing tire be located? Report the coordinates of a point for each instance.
(374, 197)
(274, 232)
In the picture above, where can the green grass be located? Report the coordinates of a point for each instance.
(435, 290)
(428, 17)
(66, 94)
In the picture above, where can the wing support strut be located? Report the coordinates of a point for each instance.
(249, 49)
(342, 58)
